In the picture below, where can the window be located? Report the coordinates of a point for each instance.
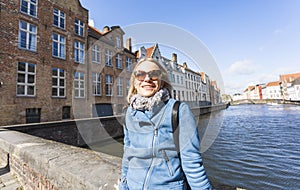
(26, 79)
(66, 112)
(79, 27)
(27, 36)
(118, 61)
(108, 84)
(79, 85)
(97, 84)
(58, 46)
(120, 86)
(33, 115)
(178, 79)
(59, 18)
(118, 42)
(96, 54)
(78, 52)
(173, 78)
(128, 64)
(29, 7)
(181, 79)
(108, 57)
(58, 82)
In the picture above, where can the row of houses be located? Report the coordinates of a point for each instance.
(55, 66)
(188, 85)
(286, 88)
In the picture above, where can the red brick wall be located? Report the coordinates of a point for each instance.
(12, 107)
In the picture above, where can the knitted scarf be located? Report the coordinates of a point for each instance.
(139, 102)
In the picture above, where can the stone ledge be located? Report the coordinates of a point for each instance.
(64, 166)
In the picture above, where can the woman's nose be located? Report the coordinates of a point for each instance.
(147, 78)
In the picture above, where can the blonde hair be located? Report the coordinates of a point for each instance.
(165, 78)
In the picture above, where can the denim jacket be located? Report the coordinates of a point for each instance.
(150, 159)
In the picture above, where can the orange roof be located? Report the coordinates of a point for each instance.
(249, 88)
(289, 77)
(276, 83)
(95, 29)
(150, 51)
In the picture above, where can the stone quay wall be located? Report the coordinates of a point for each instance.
(43, 164)
(84, 132)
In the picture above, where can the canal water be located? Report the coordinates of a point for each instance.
(248, 146)
(257, 147)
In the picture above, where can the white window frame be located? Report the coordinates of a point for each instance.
(108, 57)
(96, 54)
(128, 63)
(60, 77)
(26, 84)
(120, 86)
(97, 91)
(109, 85)
(61, 18)
(61, 44)
(30, 8)
(118, 61)
(30, 33)
(79, 27)
(79, 52)
(79, 87)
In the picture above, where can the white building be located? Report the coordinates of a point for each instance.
(293, 90)
(273, 91)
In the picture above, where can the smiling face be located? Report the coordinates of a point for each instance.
(147, 78)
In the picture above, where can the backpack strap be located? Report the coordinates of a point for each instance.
(175, 122)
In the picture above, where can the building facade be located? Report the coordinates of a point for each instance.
(54, 66)
(293, 90)
(110, 68)
(286, 81)
(43, 43)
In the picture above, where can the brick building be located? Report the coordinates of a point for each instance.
(46, 73)
(110, 68)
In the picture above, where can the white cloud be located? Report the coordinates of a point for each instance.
(241, 68)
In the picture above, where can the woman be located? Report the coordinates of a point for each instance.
(150, 159)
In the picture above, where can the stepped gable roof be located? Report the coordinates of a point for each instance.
(289, 77)
(275, 83)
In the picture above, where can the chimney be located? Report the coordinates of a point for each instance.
(128, 44)
(174, 57)
(106, 29)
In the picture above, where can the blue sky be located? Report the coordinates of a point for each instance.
(252, 41)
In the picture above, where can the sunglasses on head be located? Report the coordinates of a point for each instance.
(153, 75)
